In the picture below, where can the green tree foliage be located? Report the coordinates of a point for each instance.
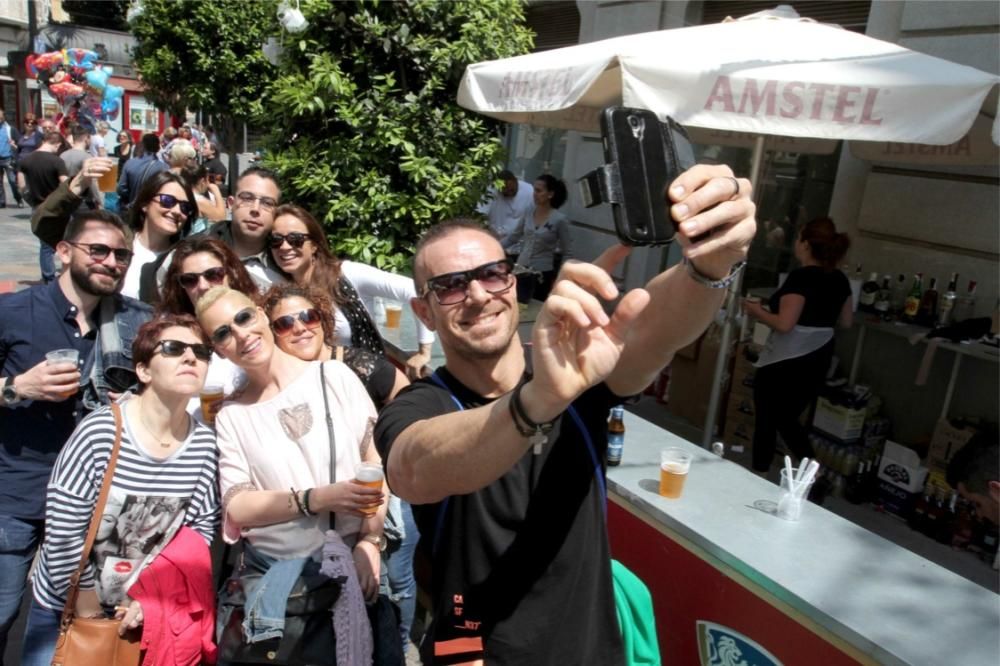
(365, 129)
(205, 55)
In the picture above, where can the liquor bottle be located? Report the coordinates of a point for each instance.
(883, 301)
(935, 514)
(616, 435)
(918, 515)
(946, 306)
(869, 292)
(965, 305)
(946, 524)
(965, 518)
(856, 486)
(927, 312)
(912, 306)
(899, 296)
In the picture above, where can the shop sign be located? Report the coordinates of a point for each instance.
(719, 645)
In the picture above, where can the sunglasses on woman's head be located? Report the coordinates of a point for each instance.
(284, 325)
(296, 239)
(175, 348)
(212, 276)
(243, 318)
(168, 201)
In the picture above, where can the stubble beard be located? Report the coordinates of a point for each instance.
(84, 279)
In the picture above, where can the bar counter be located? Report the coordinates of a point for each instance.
(726, 572)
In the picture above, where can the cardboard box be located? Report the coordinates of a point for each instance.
(948, 438)
(900, 478)
(691, 381)
(838, 421)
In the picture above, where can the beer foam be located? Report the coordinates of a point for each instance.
(369, 473)
(675, 467)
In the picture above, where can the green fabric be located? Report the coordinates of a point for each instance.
(635, 617)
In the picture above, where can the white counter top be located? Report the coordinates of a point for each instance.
(887, 602)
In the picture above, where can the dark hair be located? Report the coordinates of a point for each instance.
(507, 174)
(279, 292)
(150, 144)
(127, 134)
(439, 231)
(52, 136)
(326, 274)
(826, 245)
(977, 463)
(174, 298)
(80, 219)
(149, 189)
(79, 132)
(556, 187)
(260, 172)
(192, 174)
(149, 336)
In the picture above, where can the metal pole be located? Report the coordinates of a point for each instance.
(727, 322)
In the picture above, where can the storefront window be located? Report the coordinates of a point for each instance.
(534, 151)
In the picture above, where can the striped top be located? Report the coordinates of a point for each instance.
(150, 499)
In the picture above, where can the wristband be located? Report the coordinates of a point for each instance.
(711, 283)
(305, 502)
(298, 502)
(537, 433)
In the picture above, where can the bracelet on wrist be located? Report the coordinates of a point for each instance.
(712, 283)
(298, 502)
(305, 502)
(537, 433)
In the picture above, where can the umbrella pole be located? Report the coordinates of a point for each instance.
(728, 318)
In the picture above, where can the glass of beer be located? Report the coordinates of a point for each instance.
(393, 313)
(57, 356)
(109, 181)
(211, 402)
(675, 463)
(369, 474)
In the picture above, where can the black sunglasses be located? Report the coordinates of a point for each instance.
(310, 318)
(175, 348)
(212, 276)
(296, 239)
(243, 318)
(495, 277)
(168, 201)
(100, 252)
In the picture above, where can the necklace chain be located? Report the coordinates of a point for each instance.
(142, 419)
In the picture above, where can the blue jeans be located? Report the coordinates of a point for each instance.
(40, 636)
(7, 165)
(47, 261)
(402, 584)
(18, 542)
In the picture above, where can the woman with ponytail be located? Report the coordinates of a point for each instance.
(801, 314)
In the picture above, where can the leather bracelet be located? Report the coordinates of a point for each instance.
(711, 283)
(305, 502)
(298, 502)
(537, 433)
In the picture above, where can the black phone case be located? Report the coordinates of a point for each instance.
(643, 151)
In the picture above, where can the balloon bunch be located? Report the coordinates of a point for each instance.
(78, 83)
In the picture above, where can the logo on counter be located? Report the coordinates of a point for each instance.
(897, 473)
(722, 646)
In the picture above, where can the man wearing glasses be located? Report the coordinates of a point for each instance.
(501, 452)
(41, 403)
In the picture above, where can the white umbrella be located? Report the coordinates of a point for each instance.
(762, 74)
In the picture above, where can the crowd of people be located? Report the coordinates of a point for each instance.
(197, 288)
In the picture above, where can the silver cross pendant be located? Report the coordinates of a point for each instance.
(537, 440)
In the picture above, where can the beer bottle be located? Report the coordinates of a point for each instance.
(616, 435)
(913, 300)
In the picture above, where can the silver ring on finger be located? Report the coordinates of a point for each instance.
(736, 188)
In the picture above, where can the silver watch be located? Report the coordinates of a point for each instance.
(10, 395)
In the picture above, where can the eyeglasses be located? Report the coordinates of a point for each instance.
(212, 276)
(495, 277)
(296, 239)
(243, 318)
(168, 201)
(247, 199)
(175, 348)
(284, 325)
(30, 122)
(100, 252)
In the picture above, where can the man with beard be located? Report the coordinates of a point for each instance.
(501, 452)
(40, 404)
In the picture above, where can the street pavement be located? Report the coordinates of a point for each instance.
(18, 248)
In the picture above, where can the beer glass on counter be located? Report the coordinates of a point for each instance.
(675, 463)
(369, 474)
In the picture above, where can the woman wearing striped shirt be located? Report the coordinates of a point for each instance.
(166, 478)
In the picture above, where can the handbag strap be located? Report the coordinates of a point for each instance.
(69, 610)
(333, 440)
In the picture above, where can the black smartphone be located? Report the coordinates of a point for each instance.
(643, 155)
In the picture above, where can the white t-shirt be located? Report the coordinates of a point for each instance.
(369, 283)
(141, 256)
(96, 143)
(283, 443)
(503, 214)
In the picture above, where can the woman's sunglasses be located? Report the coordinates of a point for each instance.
(284, 325)
(296, 239)
(243, 318)
(175, 348)
(213, 276)
(168, 201)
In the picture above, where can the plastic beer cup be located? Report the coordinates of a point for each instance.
(369, 474)
(57, 356)
(211, 402)
(393, 313)
(674, 466)
(109, 181)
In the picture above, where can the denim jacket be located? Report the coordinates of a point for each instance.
(110, 367)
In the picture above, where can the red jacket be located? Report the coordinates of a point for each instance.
(178, 604)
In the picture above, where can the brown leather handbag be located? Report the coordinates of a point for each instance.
(86, 641)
